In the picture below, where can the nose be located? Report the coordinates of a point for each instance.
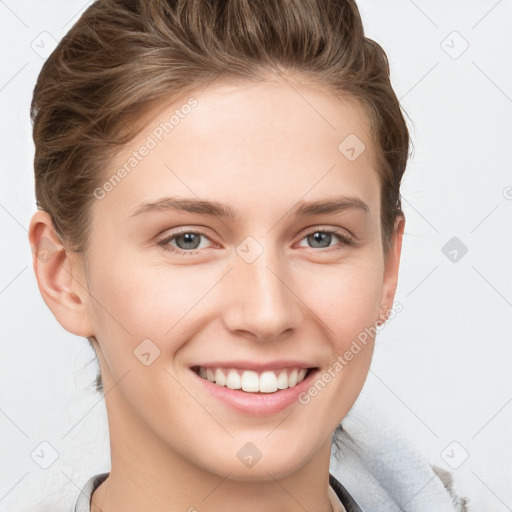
(261, 301)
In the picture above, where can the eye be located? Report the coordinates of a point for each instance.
(186, 242)
(322, 238)
(189, 241)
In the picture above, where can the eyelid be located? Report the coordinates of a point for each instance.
(341, 232)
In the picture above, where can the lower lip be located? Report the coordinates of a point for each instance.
(257, 403)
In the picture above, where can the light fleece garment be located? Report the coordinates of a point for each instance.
(384, 472)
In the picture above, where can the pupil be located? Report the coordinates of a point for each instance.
(189, 239)
(319, 237)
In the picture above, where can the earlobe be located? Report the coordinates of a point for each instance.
(391, 267)
(59, 278)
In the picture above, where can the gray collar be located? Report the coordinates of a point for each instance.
(83, 503)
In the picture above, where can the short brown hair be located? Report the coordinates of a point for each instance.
(123, 56)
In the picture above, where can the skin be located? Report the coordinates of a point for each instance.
(259, 148)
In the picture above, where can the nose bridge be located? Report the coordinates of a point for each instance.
(261, 300)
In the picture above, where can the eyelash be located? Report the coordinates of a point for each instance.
(346, 239)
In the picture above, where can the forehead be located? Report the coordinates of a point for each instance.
(261, 111)
(278, 140)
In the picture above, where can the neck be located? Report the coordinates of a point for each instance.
(146, 474)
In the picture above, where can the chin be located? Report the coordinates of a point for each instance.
(273, 463)
(261, 472)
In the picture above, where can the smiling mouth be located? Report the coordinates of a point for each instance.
(249, 381)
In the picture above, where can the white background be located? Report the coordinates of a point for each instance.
(441, 369)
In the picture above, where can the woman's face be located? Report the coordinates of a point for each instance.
(212, 256)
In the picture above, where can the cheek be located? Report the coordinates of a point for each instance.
(146, 301)
(345, 297)
(144, 314)
(136, 302)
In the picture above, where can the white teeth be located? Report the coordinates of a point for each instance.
(292, 379)
(282, 380)
(220, 378)
(234, 381)
(268, 382)
(252, 382)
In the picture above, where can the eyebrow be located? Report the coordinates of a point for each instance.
(216, 209)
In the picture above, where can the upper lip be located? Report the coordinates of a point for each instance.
(257, 366)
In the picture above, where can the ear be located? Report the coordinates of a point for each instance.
(391, 266)
(60, 276)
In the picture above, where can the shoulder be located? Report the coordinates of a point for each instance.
(383, 470)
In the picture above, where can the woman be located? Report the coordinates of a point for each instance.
(219, 214)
